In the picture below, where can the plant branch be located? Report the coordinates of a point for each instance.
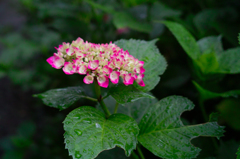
(90, 98)
(134, 155)
(205, 116)
(116, 108)
(100, 99)
(201, 105)
(140, 152)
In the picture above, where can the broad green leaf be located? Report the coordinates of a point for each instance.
(20, 141)
(115, 153)
(238, 153)
(88, 132)
(135, 109)
(205, 19)
(61, 98)
(206, 94)
(239, 38)
(227, 149)
(230, 112)
(154, 63)
(213, 43)
(208, 62)
(105, 8)
(2, 74)
(27, 129)
(163, 133)
(186, 40)
(125, 94)
(13, 154)
(229, 61)
(159, 11)
(123, 19)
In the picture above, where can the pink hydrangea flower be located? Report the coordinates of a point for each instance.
(102, 62)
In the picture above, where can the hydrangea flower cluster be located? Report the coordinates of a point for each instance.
(100, 61)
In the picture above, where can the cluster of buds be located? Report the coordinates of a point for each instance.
(99, 61)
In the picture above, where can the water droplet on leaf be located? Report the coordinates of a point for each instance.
(77, 154)
(78, 132)
(98, 125)
(87, 121)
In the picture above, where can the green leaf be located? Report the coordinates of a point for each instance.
(125, 94)
(20, 141)
(135, 109)
(238, 153)
(239, 38)
(229, 61)
(159, 11)
(154, 63)
(186, 40)
(105, 8)
(206, 94)
(13, 154)
(115, 153)
(61, 98)
(163, 133)
(230, 112)
(123, 19)
(227, 149)
(2, 74)
(213, 43)
(88, 132)
(205, 19)
(27, 129)
(208, 62)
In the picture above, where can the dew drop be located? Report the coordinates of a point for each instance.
(78, 132)
(77, 117)
(98, 125)
(87, 121)
(67, 141)
(84, 150)
(77, 154)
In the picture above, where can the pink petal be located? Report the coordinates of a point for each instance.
(68, 68)
(56, 61)
(70, 51)
(107, 69)
(114, 77)
(82, 70)
(142, 70)
(103, 81)
(128, 79)
(140, 81)
(88, 79)
(93, 65)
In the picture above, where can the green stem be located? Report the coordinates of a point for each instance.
(90, 98)
(205, 116)
(134, 155)
(140, 152)
(100, 99)
(201, 105)
(116, 108)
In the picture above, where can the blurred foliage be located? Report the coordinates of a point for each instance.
(48, 23)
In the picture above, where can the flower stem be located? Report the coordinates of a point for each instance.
(100, 99)
(134, 155)
(140, 152)
(201, 105)
(205, 116)
(116, 108)
(90, 98)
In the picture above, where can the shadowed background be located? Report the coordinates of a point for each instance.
(30, 29)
